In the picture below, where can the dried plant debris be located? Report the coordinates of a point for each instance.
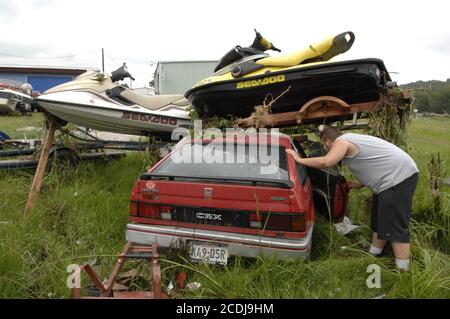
(258, 119)
(261, 118)
(389, 117)
(218, 122)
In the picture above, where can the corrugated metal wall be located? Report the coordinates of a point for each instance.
(177, 77)
(15, 77)
(39, 82)
(42, 83)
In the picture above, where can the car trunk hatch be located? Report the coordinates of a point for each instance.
(229, 203)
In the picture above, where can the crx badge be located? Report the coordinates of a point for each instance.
(207, 192)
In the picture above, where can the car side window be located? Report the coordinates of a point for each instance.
(302, 173)
(298, 148)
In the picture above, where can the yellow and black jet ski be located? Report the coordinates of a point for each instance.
(244, 77)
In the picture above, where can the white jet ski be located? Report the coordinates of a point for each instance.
(12, 101)
(94, 100)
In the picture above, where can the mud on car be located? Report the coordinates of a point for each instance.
(229, 207)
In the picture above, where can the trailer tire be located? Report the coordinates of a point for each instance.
(62, 156)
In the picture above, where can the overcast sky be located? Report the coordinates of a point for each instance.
(412, 37)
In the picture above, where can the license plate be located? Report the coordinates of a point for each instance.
(209, 253)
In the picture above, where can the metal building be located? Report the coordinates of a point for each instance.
(40, 78)
(176, 77)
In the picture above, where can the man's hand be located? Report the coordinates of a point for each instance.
(333, 157)
(293, 154)
(354, 185)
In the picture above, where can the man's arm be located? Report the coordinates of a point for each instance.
(334, 156)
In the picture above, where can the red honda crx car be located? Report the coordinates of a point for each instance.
(243, 206)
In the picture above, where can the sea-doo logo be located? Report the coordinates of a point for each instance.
(208, 216)
(149, 118)
(260, 82)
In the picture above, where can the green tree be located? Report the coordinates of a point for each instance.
(440, 100)
(422, 100)
(430, 96)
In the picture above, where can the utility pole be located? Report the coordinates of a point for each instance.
(103, 60)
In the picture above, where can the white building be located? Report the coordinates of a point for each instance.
(176, 77)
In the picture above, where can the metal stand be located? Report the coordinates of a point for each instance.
(326, 108)
(320, 109)
(106, 290)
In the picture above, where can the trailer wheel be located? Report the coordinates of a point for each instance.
(64, 157)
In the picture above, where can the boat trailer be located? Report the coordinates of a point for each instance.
(24, 154)
(106, 290)
(52, 125)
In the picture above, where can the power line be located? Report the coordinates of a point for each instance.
(113, 60)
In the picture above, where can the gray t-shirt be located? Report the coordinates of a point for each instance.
(378, 164)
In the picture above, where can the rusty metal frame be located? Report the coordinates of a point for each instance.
(106, 290)
(320, 108)
(323, 107)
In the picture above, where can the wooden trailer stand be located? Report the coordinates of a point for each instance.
(43, 159)
(130, 250)
(48, 148)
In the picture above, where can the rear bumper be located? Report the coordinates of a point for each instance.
(238, 244)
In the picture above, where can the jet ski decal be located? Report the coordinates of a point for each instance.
(149, 118)
(261, 82)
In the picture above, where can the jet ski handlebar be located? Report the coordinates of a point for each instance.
(262, 44)
(121, 73)
(259, 45)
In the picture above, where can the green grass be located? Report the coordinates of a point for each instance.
(22, 127)
(76, 219)
(81, 214)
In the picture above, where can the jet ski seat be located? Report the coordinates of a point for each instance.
(322, 51)
(155, 102)
(291, 59)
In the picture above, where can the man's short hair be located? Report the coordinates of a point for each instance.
(331, 132)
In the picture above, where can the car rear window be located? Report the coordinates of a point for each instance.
(243, 161)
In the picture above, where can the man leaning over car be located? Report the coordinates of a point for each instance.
(388, 171)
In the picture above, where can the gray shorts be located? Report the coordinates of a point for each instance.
(391, 211)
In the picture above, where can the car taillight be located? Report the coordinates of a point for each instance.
(278, 221)
(299, 222)
(148, 211)
(165, 212)
(255, 221)
(133, 208)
